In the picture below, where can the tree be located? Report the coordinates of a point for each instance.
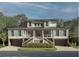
(21, 19)
(1, 14)
(73, 29)
(3, 37)
(60, 23)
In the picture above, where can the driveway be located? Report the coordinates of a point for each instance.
(66, 48)
(9, 48)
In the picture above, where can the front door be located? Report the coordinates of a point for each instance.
(38, 33)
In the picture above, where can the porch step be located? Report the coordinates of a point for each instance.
(37, 40)
(27, 41)
(49, 42)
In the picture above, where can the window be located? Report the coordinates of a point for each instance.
(12, 33)
(9, 32)
(60, 32)
(64, 32)
(29, 23)
(19, 32)
(54, 32)
(57, 32)
(46, 23)
(35, 25)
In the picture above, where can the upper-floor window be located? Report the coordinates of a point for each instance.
(29, 23)
(35, 25)
(46, 23)
(38, 25)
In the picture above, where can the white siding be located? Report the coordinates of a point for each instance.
(52, 24)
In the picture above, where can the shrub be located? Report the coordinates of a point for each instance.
(38, 45)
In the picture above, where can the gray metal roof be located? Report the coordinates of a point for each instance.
(42, 20)
(39, 28)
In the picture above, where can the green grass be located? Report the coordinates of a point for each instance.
(1, 46)
(76, 47)
(37, 49)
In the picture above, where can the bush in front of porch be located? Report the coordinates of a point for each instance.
(38, 45)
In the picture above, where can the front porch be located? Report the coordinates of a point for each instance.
(37, 36)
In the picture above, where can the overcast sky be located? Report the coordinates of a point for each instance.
(65, 10)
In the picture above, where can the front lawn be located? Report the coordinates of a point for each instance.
(1, 46)
(76, 47)
(37, 49)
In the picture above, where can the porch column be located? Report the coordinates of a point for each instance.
(9, 43)
(53, 42)
(44, 24)
(22, 41)
(54, 34)
(51, 33)
(43, 35)
(27, 34)
(27, 24)
(67, 32)
(33, 35)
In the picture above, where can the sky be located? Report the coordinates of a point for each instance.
(41, 10)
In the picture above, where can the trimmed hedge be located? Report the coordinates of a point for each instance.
(38, 45)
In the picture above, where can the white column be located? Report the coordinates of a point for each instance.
(54, 34)
(67, 32)
(9, 43)
(26, 33)
(51, 34)
(27, 24)
(22, 41)
(43, 35)
(44, 24)
(53, 42)
(33, 35)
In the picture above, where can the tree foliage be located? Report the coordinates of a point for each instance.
(8, 21)
(3, 37)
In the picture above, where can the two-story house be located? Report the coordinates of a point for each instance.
(38, 31)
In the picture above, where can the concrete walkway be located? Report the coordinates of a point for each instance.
(9, 48)
(65, 48)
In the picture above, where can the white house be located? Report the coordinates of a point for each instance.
(38, 31)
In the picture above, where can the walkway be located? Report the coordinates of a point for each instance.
(9, 48)
(65, 48)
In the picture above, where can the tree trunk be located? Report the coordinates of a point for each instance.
(3, 43)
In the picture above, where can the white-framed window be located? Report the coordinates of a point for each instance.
(61, 33)
(16, 33)
(54, 32)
